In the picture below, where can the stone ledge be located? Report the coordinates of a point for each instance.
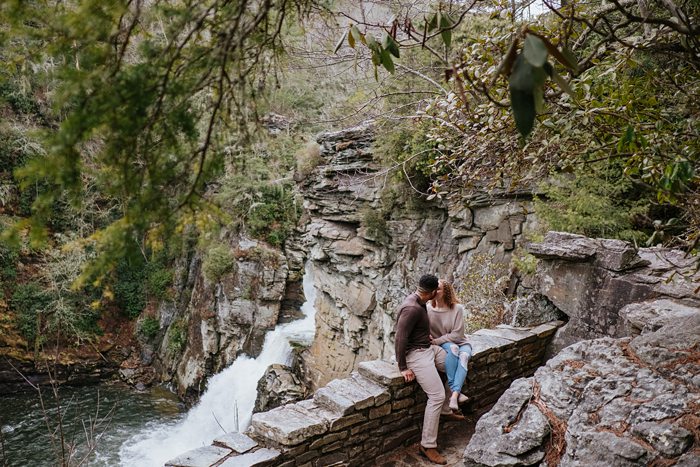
(261, 457)
(385, 373)
(238, 442)
(200, 457)
(287, 426)
(334, 399)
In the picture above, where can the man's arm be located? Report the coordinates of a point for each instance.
(404, 325)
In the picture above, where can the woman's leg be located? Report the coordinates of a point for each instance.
(460, 374)
(451, 361)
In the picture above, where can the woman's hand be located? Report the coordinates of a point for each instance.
(408, 375)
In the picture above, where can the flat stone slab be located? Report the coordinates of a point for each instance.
(260, 457)
(200, 457)
(509, 332)
(353, 391)
(287, 426)
(383, 372)
(236, 441)
(483, 345)
(546, 329)
(380, 393)
(335, 399)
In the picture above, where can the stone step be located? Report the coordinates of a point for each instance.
(287, 426)
(335, 400)
(380, 393)
(261, 457)
(385, 373)
(200, 457)
(236, 441)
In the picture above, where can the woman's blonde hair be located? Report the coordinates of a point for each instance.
(448, 295)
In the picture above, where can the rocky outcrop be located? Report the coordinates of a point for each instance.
(368, 254)
(279, 386)
(628, 401)
(209, 323)
(591, 280)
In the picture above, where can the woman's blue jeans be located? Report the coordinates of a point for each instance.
(456, 365)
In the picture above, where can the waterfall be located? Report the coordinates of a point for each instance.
(234, 387)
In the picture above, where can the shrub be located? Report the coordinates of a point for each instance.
(218, 260)
(524, 262)
(129, 288)
(481, 292)
(308, 158)
(374, 222)
(592, 203)
(149, 327)
(273, 214)
(177, 336)
(29, 301)
(158, 281)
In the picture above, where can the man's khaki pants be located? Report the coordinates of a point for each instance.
(425, 364)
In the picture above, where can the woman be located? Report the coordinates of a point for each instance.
(447, 330)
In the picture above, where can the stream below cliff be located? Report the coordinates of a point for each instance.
(228, 403)
(146, 428)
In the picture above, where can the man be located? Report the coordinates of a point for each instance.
(419, 360)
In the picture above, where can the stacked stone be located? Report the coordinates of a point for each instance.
(350, 421)
(361, 419)
(502, 355)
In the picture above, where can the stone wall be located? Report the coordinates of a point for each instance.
(359, 419)
(365, 269)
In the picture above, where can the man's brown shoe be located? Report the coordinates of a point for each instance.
(452, 417)
(433, 455)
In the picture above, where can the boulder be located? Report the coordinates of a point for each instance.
(628, 401)
(592, 280)
(278, 386)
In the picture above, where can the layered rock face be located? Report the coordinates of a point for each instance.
(209, 324)
(362, 274)
(591, 280)
(622, 402)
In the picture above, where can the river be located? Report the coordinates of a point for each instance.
(146, 429)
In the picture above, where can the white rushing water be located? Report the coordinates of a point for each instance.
(236, 386)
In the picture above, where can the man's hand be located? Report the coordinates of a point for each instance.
(408, 375)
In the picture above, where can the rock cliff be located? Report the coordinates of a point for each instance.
(591, 280)
(364, 269)
(209, 323)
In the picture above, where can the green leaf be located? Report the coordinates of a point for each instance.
(446, 32)
(446, 37)
(433, 22)
(387, 62)
(538, 94)
(392, 46)
(523, 105)
(376, 58)
(522, 77)
(373, 45)
(566, 57)
(561, 82)
(340, 42)
(534, 50)
(570, 58)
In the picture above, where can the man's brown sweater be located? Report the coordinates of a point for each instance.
(412, 329)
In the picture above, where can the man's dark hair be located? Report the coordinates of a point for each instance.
(428, 283)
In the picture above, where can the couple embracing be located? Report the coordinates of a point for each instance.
(430, 338)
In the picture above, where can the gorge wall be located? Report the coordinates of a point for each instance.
(364, 271)
(208, 323)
